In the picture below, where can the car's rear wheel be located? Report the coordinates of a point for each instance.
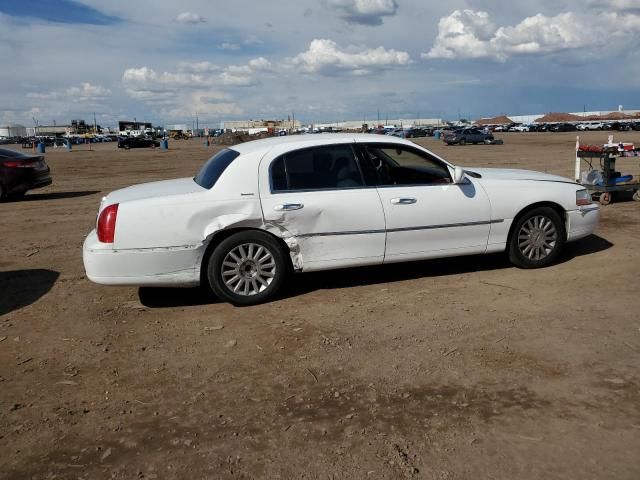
(2, 193)
(462, 141)
(247, 268)
(537, 238)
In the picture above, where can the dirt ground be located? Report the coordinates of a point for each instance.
(463, 368)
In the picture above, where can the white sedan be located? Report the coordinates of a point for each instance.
(260, 210)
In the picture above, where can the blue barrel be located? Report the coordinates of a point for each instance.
(437, 134)
(68, 145)
(40, 147)
(164, 144)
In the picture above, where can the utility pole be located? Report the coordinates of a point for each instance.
(95, 125)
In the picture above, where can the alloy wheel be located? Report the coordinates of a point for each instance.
(248, 269)
(537, 238)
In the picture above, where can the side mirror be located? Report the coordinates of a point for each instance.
(458, 175)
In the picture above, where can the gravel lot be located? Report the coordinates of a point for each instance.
(463, 368)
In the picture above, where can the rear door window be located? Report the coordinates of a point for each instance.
(318, 168)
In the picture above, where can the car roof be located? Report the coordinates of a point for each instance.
(301, 141)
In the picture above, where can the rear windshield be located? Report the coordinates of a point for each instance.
(211, 171)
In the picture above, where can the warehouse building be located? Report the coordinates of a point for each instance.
(13, 130)
(265, 125)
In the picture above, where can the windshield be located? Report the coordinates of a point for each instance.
(211, 171)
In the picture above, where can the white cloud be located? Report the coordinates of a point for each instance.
(138, 82)
(205, 103)
(193, 87)
(189, 18)
(324, 56)
(465, 34)
(616, 5)
(229, 46)
(147, 78)
(86, 91)
(470, 34)
(365, 12)
(198, 67)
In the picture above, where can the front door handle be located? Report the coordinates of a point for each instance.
(403, 201)
(288, 206)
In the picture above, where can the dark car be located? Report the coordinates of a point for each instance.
(563, 127)
(416, 132)
(538, 127)
(20, 172)
(621, 126)
(137, 142)
(467, 135)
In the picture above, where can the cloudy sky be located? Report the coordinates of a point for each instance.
(326, 60)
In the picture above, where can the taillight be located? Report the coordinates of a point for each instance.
(107, 223)
(12, 164)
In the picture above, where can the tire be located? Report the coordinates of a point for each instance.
(3, 195)
(537, 238)
(462, 141)
(605, 198)
(247, 268)
(636, 195)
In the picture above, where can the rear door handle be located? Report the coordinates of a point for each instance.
(403, 201)
(288, 206)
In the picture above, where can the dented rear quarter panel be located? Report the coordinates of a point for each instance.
(190, 219)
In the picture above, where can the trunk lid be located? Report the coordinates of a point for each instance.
(164, 188)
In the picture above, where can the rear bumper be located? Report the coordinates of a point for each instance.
(582, 222)
(174, 266)
(29, 181)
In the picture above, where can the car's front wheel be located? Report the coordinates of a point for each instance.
(537, 238)
(247, 268)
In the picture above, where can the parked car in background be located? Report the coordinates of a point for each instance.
(416, 132)
(137, 142)
(398, 132)
(595, 126)
(257, 211)
(20, 172)
(538, 127)
(562, 127)
(467, 135)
